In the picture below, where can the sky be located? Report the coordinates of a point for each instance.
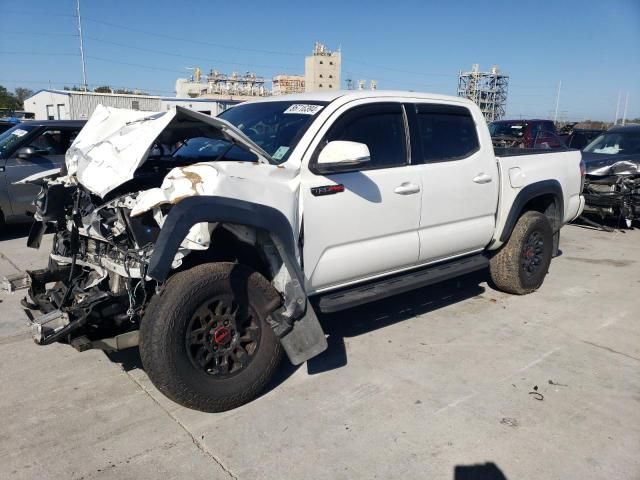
(592, 47)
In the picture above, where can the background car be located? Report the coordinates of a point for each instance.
(27, 149)
(579, 138)
(540, 134)
(612, 182)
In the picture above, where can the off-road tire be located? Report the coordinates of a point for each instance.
(507, 271)
(164, 328)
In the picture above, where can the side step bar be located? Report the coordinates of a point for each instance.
(351, 297)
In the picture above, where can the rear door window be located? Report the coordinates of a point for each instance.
(446, 133)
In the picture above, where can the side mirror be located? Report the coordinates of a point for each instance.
(342, 156)
(26, 153)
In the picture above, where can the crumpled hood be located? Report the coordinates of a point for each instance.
(603, 164)
(115, 142)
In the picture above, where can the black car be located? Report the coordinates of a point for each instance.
(581, 137)
(612, 183)
(6, 124)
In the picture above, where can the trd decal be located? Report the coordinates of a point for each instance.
(327, 190)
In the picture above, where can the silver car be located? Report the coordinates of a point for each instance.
(27, 149)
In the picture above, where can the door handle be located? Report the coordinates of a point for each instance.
(407, 188)
(482, 178)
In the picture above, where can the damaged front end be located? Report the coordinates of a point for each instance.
(95, 288)
(613, 191)
(124, 222)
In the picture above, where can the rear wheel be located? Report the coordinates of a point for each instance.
(523, 262)
(205, 342)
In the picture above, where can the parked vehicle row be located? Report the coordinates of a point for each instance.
(214, 254)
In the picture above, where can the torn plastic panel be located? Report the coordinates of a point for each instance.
(295, 321)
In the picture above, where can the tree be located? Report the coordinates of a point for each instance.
(8, 100)
(22, 94)
(103, 89)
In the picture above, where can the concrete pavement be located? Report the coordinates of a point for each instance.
(432, 384)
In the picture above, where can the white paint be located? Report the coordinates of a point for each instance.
(375, 226)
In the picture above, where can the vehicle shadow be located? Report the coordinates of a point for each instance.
(128, 359)
(14, 231)
(485, 471)
(354, 322)
(376, 315)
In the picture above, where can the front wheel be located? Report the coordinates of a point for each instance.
(522, 263)
(205, 342)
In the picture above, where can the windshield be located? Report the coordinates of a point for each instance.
(274, 126)
(616, 143)
(208, 149)
(506, 129)
(12, 136)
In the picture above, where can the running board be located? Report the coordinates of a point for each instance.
(351, 297)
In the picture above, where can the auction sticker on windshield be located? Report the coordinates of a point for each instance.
(280, 152)
(303, 109)
(19, 132)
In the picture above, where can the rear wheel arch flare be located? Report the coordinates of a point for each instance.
(545, 197)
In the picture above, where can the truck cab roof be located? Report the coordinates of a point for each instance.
(349, 95)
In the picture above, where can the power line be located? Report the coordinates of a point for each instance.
(149, 67)
(190, 40)
(99, 84)
(179, 55)
(42, 34)
(46, 14)
(40, 53)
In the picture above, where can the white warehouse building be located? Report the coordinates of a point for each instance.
(71, 105)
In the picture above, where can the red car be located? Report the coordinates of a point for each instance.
(539, 134)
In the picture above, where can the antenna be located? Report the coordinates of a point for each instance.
(555, 117)
(84, 69)
(626, 104)
(615, 120)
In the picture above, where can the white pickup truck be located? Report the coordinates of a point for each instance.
(211, 242)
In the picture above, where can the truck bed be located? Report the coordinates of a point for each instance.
(520, 167)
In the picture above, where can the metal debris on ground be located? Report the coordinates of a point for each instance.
(551, 382)
(537, 395)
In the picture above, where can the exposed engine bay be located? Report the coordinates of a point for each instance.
(614, 191)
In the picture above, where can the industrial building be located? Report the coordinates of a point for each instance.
(488, 90)
(286, 84)
(321, 72)
(219, 85)
(71, 105)
(322, 69)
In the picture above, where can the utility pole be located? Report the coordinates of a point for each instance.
(615, 120)
(555, 117)
(626, 104)
(84, 69)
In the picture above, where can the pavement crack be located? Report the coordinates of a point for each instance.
(10, 262)
(608, 349)
(195, 441)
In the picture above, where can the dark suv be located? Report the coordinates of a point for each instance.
(27, 149)
(539, 134)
